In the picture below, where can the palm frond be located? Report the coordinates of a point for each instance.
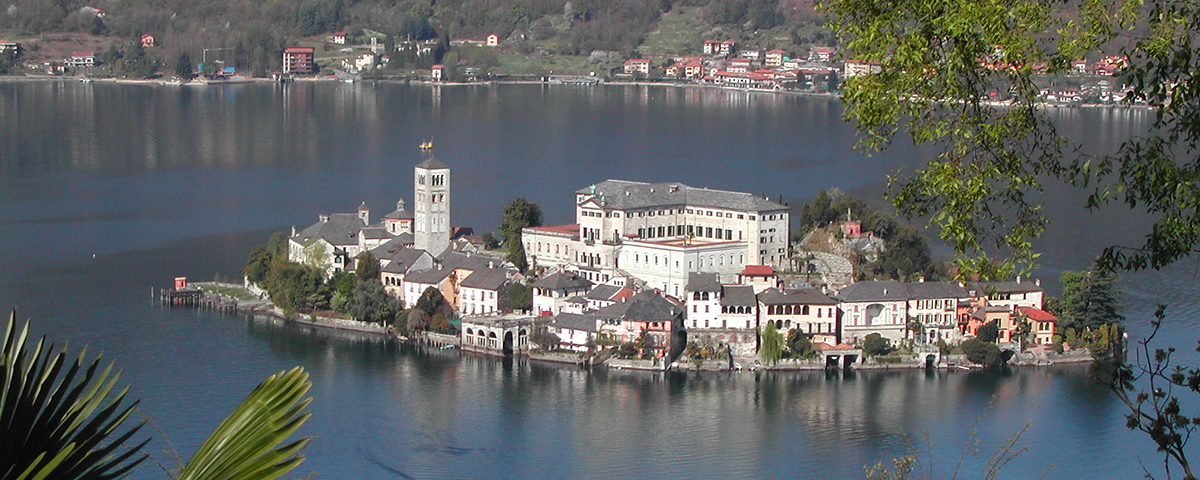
(246, 444)
(57, 423)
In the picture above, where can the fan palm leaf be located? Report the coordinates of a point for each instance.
(245, 445)
(58, 417)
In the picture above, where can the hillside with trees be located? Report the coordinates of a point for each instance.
(250, 34)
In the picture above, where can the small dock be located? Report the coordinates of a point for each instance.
(195, 297)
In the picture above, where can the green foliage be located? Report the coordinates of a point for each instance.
(431, 301)
(983, 353)
(905, 257)
(520, 296)
(370, 303)
(875, 345)
(771, 349)
(1089, 300)
(490, 241)
(246, 444)
(799, 345)
(982, 192)
(366, 267)
(831, 206)
(627, 350)
(183, 66)
(293, 286)
(58, 417)
(440, 324)
(988, 332)
(516, 256)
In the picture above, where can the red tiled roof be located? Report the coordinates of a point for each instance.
(569, 228)
(1037, 314)
(83, 54)
(758, 270)
(299, 50)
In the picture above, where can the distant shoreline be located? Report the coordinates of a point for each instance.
(260, 81)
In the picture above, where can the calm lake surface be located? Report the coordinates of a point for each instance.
(108, 190)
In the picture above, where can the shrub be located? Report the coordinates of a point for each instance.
(875, 345)
(983, 353)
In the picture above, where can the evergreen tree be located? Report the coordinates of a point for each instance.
(1089, 299)
(183, 66)
(366, 267)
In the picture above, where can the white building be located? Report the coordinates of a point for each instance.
(660, 232)
(551, 292)
(873, 307)
(935, 305)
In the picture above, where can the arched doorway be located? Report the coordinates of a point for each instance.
(508, 343)
(930, 361)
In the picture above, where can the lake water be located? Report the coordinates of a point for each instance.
(108, 190)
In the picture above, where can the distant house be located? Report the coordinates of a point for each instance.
(147, 40)
(808, 311)
(755, 54)
(7, 46)
(760, 277)
(712, 47)
(727, 47)
(638, 65)
(493, 40)
(821, 54)
(854, 68)
(1042, 324)
(81, 59)
(298, 60)
(575, 330)
(485, 292)
(551, 292)
(774, 57)
(646, 313)
(339, 38)
(437, 72)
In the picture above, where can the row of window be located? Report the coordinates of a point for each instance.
(800, 310)
(936, 304)
(690, 230)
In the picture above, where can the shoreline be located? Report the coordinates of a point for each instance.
(429, 83)
(948, 363)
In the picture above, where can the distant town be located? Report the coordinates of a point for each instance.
(365, 54)
(649, 276)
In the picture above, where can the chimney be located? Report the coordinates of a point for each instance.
(921, 279)
(1018, 279)
(323, 218)
(1038, 282)
(293, 230)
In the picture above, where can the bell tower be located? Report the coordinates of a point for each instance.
(431, 212)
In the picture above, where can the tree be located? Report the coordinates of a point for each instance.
(1089, 300)
(61, 421)
(183, 66)
(772, 344)
(874, 345)
(520, 296)
(370, 303)
(800, 345)
(988, 332)
(983, 353)
(489, 241)
(431, 301)
(366, 267)
(518, 214)
(981, 191)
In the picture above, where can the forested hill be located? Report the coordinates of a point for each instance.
(256, 30)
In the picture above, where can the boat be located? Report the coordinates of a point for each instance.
(427, 145)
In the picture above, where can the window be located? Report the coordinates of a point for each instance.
(741, 217)
(752, 217)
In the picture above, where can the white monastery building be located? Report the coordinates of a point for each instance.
(661, 232)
